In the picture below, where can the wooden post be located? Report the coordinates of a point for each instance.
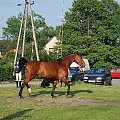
(34, 35)
(25, 15)
(16, 53)
(59, 51)
(25, 24)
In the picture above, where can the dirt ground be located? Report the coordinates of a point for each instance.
(58, 100)
(13, 84)
(62, 100)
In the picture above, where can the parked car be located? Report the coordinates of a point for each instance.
(98, 75)
(115, 72)
(75, 74)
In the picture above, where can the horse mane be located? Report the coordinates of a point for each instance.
(69, 55)
(65, 58)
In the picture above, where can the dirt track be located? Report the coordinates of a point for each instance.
(13, 84)
(62, 100)
(59, 100)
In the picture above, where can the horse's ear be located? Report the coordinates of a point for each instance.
(23, 59)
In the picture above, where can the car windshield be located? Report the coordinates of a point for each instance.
(96, 71)
(115, 70)
(73, 69)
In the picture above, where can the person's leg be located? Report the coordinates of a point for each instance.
(20, 76)
(17, 75)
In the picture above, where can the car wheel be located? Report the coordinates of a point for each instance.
(110, 83)
(77, 78)
(104, 82)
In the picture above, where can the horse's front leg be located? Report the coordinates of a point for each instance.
(29, 89)
(21, 89)
(54, 86)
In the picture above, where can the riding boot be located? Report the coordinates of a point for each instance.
(17, 84)
(60, 83)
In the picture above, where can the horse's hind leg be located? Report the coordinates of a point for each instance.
(68, 84)
(68, 90)
(54, 86)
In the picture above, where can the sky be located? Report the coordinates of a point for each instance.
(51, 10)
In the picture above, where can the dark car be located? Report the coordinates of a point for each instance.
(98, 75)
(75, 74)
(115, 72)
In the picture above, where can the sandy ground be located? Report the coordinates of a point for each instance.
(58, 100)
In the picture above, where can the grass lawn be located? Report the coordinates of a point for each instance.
(42, 107)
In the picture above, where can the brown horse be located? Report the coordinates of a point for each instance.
(57, 70)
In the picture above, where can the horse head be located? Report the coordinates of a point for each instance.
(22, 62)
(79, 60)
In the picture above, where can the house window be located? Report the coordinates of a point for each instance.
(51, 50)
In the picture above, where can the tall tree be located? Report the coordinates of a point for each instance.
(92, 28)
(13, 25)
(43, 32)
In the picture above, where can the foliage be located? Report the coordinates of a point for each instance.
(43, 32)
(6, 72)
(6, 67)
(7, 45)
(92, 28)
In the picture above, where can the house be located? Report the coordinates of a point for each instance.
(0, 55)
(49, 47)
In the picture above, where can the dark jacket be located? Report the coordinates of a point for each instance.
(17, 68)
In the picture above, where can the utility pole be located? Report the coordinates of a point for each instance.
(60, 37)
(27, 7)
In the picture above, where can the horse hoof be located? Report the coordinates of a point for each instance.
(53, 96)
(29, 95)
(21, 96)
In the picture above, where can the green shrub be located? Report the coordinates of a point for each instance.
(6, 72)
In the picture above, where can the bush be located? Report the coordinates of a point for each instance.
(6, 72)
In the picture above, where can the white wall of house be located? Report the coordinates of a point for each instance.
(50, 45)
(0, 55)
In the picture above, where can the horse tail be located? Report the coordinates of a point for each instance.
(22, 63)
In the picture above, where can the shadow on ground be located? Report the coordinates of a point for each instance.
(60, 93)
(17, 114)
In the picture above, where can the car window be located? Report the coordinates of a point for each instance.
(115, 70)
(96, 71)
(73, 69)
(118, 70)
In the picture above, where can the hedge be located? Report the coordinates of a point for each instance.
(6, 72)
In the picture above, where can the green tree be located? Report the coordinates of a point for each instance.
(92, 28)
(43, 32)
